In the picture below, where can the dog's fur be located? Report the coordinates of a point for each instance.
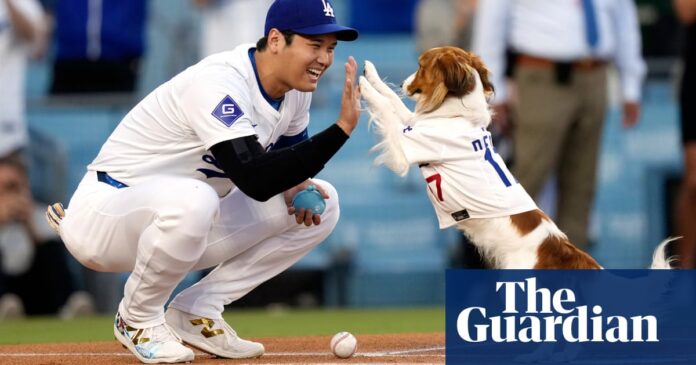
(453, 83)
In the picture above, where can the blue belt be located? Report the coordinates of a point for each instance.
(106, 179)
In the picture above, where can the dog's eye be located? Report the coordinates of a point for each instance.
(417, 91)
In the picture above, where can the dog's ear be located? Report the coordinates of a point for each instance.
(476, 62)
(436, 90)
(460, 68)
(429, 82)
(448, 71)
(458, 77)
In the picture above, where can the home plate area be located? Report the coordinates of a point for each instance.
(421, 348)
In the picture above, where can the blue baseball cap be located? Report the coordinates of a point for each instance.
(309, 17)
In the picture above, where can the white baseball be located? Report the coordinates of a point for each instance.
(344, 345)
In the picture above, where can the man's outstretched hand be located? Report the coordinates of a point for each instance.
(350, 100)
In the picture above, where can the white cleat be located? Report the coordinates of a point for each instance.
(154, 345)
(213, 336)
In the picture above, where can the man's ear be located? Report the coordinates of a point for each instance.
(276, 40)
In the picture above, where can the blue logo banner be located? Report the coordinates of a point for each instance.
(227, 111)
(574, 316)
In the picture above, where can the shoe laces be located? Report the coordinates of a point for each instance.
(229, 328)
(162, 333)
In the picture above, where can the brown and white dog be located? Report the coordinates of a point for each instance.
(452, 87)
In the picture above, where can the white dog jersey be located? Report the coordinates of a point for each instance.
(171, 130)
(466, 178)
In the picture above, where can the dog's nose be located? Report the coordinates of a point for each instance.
(401, 85)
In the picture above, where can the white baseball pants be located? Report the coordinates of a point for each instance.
(162, 229)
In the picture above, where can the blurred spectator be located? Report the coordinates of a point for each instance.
(686, 215)
(562, 50)
(34, 273)
(173, 42)
(98, 45)
(22, 34)
(444, 23)
(228, 23)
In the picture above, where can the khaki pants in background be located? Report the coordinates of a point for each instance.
(557, 130)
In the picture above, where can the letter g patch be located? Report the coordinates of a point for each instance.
(227, 111)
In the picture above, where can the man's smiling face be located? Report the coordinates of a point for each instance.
(306, 60)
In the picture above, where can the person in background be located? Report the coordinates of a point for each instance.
(444, 23)
(561, 51)
(22, 35)
(99, 45)
(34, 274)
(686, 205)
(219, 33)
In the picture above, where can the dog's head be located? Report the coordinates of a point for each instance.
(447, 72)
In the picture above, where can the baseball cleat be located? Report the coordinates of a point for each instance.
(213, 336)
(154, 345)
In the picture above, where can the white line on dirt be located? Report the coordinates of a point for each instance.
(403, 352)
(352, 363)
(396, 353)
(254, 363)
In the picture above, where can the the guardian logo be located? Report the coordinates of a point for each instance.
(534, 314)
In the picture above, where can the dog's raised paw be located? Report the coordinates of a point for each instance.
(370, 71)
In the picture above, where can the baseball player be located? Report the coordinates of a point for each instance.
(22, 32)
(200, 174)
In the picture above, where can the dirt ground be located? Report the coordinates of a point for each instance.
(422, 348)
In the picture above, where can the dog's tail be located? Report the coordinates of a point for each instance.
(660, 259)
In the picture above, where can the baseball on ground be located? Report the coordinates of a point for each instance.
(343, 345)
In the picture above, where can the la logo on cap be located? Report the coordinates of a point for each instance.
(328, 10)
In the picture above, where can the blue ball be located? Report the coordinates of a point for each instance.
(309, 199)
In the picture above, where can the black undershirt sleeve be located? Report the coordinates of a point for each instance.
(261, 175)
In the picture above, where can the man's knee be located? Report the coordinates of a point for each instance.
(332, 211)
(316, 234)
(193, 210)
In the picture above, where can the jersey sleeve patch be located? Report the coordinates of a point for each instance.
(227, 111)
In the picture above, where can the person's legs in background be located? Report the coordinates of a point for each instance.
(686, 204)
(577, 168)
(11, 305)
(686, 209)
(49, 271)
(541, 116)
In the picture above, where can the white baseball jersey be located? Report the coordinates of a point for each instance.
(170, 131)
(466, 178)
(14, 53)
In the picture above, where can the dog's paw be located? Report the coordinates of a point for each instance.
(376, 102)
(370, 72)
(383, 117)
(373, 78)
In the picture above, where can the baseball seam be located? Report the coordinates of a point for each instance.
(333, 348)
